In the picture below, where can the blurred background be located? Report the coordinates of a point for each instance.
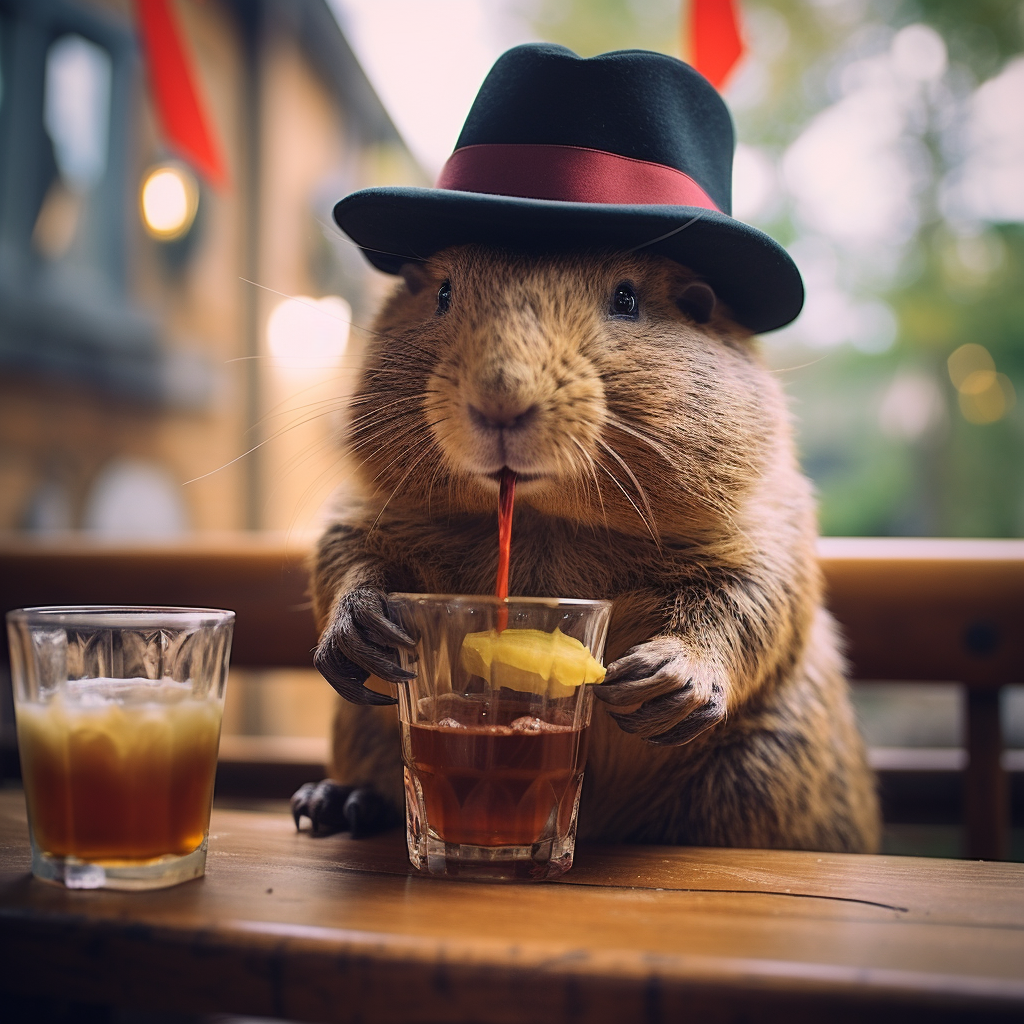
(179, 319)
(147, 344)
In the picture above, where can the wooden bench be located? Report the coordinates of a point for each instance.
(912, 611)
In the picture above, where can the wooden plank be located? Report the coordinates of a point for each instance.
(263, 578)
(986, 787)
(930, 610)
(333, 929)
(933, 759)
(304, 750)
(911, 609)
(269, 767)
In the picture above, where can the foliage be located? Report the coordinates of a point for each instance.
(878, 469)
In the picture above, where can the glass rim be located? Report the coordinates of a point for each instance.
(120, 616)
(491, 599)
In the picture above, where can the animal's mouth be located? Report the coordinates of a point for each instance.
(521, 478)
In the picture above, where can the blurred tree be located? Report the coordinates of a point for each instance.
(883, 141)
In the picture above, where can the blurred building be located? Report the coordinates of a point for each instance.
(150, 338)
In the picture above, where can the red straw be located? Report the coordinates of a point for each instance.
(506, 499)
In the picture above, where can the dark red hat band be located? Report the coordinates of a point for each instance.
(571, 174)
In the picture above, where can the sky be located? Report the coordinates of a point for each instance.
(428, 69)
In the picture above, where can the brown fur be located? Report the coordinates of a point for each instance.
(667, 482)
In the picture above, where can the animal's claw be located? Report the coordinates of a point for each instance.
(378, 626)
(674, 698)
(368, 813)
(647, 670)
(346, 676)
(324, 804)
(696, 722)
(360, 641)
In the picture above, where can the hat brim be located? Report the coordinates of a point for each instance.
(748, 269)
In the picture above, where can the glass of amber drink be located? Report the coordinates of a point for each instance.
(494, 730)
(118, 714)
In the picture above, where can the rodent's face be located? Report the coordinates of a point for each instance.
(613, 385)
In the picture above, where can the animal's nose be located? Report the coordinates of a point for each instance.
(502, 419)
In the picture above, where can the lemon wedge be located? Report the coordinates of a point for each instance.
(530, 660)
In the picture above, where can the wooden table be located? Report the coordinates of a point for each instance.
(333, 929)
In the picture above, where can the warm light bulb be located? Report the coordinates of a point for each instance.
(306, 334)
(169, 200)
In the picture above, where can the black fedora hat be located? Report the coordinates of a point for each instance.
(627, 150)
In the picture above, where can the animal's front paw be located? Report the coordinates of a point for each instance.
(674, 697)
(332, 807)
(360, 640)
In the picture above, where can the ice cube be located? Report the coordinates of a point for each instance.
(528, 724)
(450, 723)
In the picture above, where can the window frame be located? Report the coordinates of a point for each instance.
(51, 321)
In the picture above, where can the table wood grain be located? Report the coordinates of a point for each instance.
(332, 929)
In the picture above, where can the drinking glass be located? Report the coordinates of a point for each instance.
(118, 714)
(494, 750)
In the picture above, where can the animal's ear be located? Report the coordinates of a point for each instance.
(415, 277)
(697, 301)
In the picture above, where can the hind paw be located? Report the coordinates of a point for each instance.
(332, 807)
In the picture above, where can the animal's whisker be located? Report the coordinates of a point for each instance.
(376, 412)
(368, 396)
(408, 343)
(625, 493)
(398, 458)
(346, 362)
(303, 459)
(370, 417)
(296, 298)
(391, 438)
(312, 305)
(312, 410)
(237, 458)
(801, 366)
(581, 496)
(618, 423)
(267, 440)
(295, 424)
(589, 463)
(370, 431)
(426, 451)
(651, 524)
(438, 470)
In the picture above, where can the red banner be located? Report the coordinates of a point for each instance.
(715, 42)
(182, 116)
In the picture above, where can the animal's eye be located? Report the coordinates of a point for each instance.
(444, 297)
(624, 301)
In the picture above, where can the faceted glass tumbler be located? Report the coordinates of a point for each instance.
(493, 768)
(118, 714)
